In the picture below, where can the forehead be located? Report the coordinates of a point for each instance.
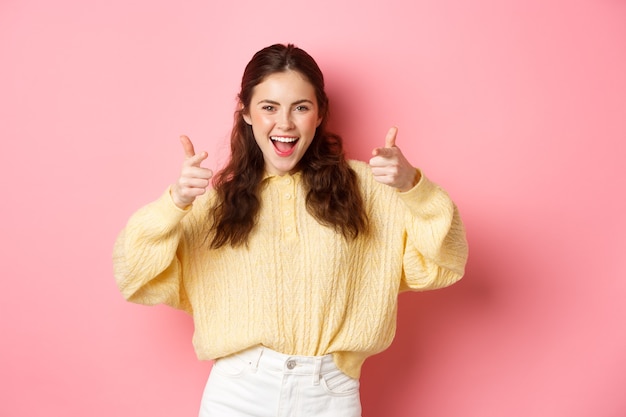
(285, 85)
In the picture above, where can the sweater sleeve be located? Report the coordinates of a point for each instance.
(436, 249)
(146, 263)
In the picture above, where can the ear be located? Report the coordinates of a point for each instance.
(319, 122)
(245, 114)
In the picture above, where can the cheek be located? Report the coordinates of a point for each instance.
(314, 122)
(258, 133)
(261, 121)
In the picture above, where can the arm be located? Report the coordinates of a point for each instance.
(148, 252)
(145, 262)
(436, 249)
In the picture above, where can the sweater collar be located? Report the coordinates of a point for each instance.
(268, 177)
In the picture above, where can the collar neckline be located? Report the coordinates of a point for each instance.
(268, 176)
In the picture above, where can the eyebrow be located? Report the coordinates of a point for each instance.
(295, 103)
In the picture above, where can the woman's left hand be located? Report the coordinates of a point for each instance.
(390, 167)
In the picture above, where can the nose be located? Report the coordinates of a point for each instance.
(284, 120)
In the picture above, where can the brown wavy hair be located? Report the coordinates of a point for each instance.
(333, 196)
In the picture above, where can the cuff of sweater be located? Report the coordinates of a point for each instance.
(426, 199)
(171, 200)
(165, 209)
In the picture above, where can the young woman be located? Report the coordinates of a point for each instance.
(290, 259)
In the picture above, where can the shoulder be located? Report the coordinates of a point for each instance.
(369, 186)
(362, 169)
(197, 212)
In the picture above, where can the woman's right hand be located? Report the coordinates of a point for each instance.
(194, 179)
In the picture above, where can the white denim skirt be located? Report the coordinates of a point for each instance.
(260, 382)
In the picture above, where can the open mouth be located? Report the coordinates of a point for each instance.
(284, 145)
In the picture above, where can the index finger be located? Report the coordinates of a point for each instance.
(187, 146)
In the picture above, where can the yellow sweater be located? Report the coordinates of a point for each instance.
(298, 287)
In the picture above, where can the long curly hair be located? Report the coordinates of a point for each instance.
(333, 196)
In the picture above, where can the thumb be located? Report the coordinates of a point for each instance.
(390, 139)
(187, 146)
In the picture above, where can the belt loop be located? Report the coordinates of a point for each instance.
(254, 364)
(316, 371)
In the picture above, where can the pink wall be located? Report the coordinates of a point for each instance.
(517, 107)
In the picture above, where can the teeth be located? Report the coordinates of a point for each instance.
(283, 139)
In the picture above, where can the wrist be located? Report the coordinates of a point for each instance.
(417, 175)
(178, 202)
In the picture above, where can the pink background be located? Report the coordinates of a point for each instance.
(517, 107)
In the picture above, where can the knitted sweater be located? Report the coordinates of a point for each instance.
(298, 287)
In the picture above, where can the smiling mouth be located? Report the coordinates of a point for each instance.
(284, 144)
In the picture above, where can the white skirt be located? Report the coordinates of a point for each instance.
(260, 382)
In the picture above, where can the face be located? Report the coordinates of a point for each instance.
(284, 114)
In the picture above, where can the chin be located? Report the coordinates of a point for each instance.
(285, 169)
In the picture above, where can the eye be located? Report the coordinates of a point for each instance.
(268, 107)
(302, 108)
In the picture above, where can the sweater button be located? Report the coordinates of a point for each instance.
(291, 364)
